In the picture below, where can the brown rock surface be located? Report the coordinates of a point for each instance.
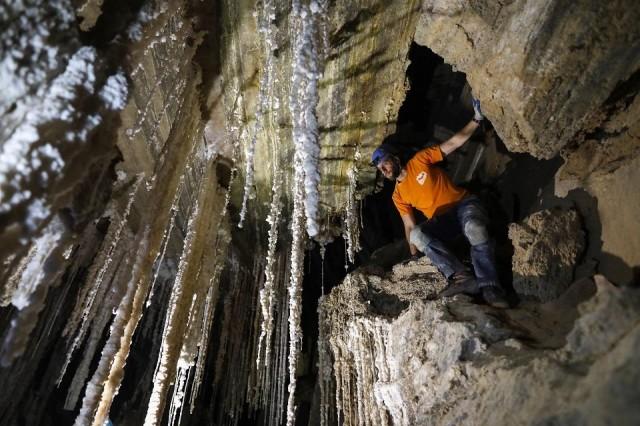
(452, 361)
(547, 245)
(542, 69)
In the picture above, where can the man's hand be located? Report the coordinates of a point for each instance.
(409, 222)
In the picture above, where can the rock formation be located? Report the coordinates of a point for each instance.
(172, 171)
(393, 356)
(547, 247)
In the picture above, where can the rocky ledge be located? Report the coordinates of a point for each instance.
(392, 353)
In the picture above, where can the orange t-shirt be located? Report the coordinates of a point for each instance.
(426, 187)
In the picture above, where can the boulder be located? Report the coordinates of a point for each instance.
(546, 246)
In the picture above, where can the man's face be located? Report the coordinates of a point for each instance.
(389, 167)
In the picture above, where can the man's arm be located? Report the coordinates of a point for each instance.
(457, 140)
(409, 221)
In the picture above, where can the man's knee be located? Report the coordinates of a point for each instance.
(476, 232)
(419, 238)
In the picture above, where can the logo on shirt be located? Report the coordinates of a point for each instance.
(421, 178)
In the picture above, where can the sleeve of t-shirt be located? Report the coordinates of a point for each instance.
(403, 207)
(429, 155)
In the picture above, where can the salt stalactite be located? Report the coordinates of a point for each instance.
(183, 324)
(264, 101)
(95, 390)
(100, 321)
(211, 294)
(295, 284)
(352, 236)
(358, 345)
(209, 310)
(137, 306)
(42, 270)
(270, 390)
(279, 385)
(303, 99)
(161, 376)
(166, 237)
(85, 307)
(323, 252)
(324, 368)
(267, 293)
(236, 117)
(187, 357)
(233, 352)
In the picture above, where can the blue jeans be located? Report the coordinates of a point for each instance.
(470, 218)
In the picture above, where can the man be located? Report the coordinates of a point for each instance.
(449, 209)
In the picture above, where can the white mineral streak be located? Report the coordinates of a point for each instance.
(86, 305)
(209, 311)
(324, 368)
(171, 340)
(190, 308)
(41, 272)
(235, 130)
(236, 117)
(303, 99)
(263, 359)
(352, 226)
(186, 360)
(114, 92)
(99, 387)
(195, 322)
(264, 100)
(166, 237)
(295, 283)
(267, 293)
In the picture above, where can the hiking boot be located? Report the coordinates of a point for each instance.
(494, 296)
(460, 282)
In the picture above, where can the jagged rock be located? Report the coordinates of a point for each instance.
(546, 247)
(607, 166)
(456, 362)
(542, 69)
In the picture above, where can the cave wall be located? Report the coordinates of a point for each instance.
(125, 205)
(360, 91)
(133, 214)
(543, 70)
(127, 131)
